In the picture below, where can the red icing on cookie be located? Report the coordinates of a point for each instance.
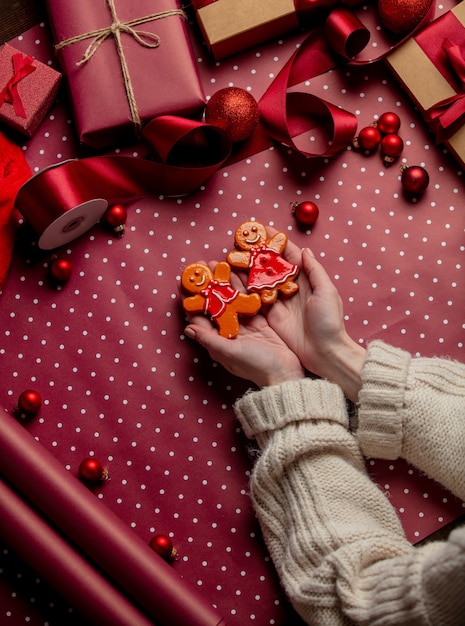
(213, 295)
(269, 271)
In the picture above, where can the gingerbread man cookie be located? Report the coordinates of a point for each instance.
(214, 296)
(269, 272)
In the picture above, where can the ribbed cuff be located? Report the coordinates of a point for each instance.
(382, 401)
(274, 407)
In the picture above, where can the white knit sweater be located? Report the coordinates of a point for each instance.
(335, 539)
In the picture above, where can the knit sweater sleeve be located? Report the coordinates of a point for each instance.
(414, 408)
(325, 523)
(334, 538)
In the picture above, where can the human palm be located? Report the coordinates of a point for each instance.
(311, 322)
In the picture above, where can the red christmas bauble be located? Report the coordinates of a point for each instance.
(388, 123)
(115, 218)
(306, 213)
(414, 179)
(29, 402)
(391, 147)
(61, 270)
(162, 545)
(401, 16)
(234, 110)
(368, 138)
(91, 470)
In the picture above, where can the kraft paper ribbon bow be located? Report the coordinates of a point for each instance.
(22, 67)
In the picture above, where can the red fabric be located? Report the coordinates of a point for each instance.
(14, 171)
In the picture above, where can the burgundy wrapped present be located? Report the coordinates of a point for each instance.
(231, 26)
(126, 62)
(431, 68)
(28, 89)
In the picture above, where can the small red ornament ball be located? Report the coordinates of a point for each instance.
(91, 470)
(115, 218)
(234, 110)
(162, 545)
(391, 147)
(401, 16)
(368, 138)
(61, 270)
(414, 179)
(29, 402)
(388, 123)
(306, 213)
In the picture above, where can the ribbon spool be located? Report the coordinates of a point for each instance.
(64, 216)
(72, 224)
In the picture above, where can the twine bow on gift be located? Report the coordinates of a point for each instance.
(143, 38)
(22, 67)
(446, 116)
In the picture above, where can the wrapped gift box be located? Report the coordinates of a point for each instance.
(231, 26)
(28, 89)
(153, 70)
(427, 74)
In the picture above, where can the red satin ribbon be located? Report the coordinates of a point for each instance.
(22, 67)
(182, 155)
(443, 42)
(446, 116)
(456, 59)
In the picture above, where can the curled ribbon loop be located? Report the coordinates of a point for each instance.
(22, 67)
(288, 114)
(144, 38)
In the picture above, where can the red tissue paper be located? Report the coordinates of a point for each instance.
(27, 90)
(125, 63)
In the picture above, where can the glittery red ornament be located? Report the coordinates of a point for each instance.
(61, 270)
(163, 546)
(391, 147)
(401, 16)
(115, 218)
(368, 138)
(388, 123)
(306, 213)
(92, 471)
(29, 403)
(235, 110)
(414, 179)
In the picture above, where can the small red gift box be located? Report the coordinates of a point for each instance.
(431, 67)
(231, 26)
(28, 89)
(125, 62)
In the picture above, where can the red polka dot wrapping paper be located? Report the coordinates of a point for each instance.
(121, 382)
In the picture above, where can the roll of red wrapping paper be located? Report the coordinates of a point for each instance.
(61, 566)
(101, 535)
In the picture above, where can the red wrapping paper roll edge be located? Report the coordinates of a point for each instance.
(58, 563)
(99, 533)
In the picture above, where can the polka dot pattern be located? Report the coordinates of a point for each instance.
(121, 382)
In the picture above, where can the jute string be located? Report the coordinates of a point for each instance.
(144, 38)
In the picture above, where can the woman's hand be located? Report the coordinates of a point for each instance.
(257, 353)
(311, 324)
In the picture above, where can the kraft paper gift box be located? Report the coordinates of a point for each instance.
(28, 89)
(429, 66)
(231, 26)
(125, 62)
